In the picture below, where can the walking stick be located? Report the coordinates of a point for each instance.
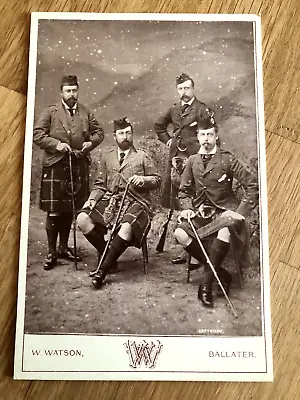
(211, 266)
(73, 209)
(93, 273)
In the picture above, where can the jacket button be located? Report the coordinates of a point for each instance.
(204, 187)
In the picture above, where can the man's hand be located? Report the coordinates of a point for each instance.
(90, 203)
(63, 147)
(187, 213)
(232, 214)
(86, 146)
(136, 180)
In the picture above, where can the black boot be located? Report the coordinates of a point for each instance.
(205, 290)
(181, 259)
(65, 224)
(117, 247)
(52, 232)
(205, 295)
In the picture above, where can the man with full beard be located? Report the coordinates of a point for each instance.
(119, 166)
(64, 128)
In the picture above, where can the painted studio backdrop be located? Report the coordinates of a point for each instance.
(129, 68)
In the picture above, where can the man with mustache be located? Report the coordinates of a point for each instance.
(205, 193)
(183, 141)
(64, 128)
(117, 167)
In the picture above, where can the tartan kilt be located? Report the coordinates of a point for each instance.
(135, 214)
(55, 191)
(198, 223)
(239, 236)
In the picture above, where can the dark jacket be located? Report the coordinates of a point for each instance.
(184, 127)
(52, 127)
(184, 136)
(215, 183)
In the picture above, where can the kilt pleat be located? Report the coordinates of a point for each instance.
(55, 191)
(135, 214)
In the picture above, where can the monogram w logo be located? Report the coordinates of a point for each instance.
(143, 352)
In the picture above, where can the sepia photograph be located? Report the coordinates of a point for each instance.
(144, 217)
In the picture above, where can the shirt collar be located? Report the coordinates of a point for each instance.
(123, 151)
(67, 107)
(213, 151)
(189, 102)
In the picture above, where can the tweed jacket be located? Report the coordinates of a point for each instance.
(214, 183)
(112, 177)
(52, 127)
(184, 127)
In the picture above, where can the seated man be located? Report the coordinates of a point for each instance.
(117, 167)
(205, 193)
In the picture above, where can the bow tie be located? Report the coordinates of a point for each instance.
(121, 159)
(207, 156)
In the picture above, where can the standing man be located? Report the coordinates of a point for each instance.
(205, 193)
(67, 127)
(119, 166)
(183, 141)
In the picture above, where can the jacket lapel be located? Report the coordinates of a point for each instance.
(189, 112)
(216, 160)
(131, 153)
(200, 165)
(61, 113)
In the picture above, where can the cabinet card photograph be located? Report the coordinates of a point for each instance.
(144, 232)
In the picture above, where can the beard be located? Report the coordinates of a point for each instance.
(125, 145)
(71, 102)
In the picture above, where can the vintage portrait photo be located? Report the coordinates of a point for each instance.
(144, 243)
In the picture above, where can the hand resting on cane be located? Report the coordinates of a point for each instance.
(186, 214)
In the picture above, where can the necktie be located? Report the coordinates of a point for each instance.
(122, 155)
(184, 107)
(206, 158)
(71, 111)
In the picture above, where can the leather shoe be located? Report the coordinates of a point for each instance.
(193, 267)
(179, 260)
(50, 261)
(226, 280)
(98, 281)
(205, 295)
(68, 254)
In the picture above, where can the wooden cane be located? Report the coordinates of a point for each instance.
(73, 209)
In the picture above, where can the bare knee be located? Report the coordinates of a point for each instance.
(84, 223)
(125, 231)
(182, 237)
(224, 235)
